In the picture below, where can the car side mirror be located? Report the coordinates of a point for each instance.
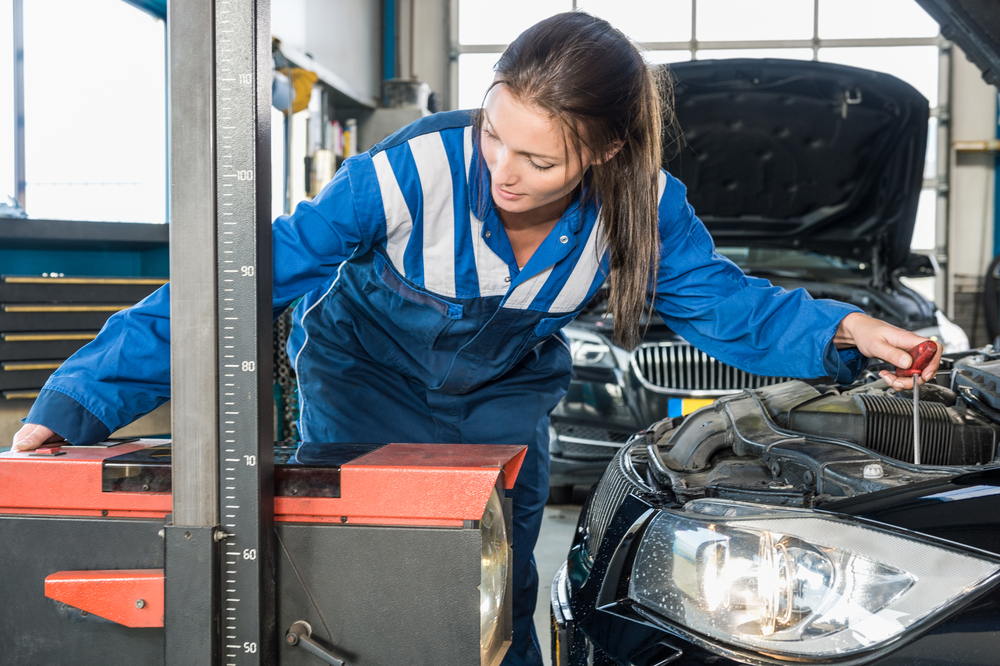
(919, 265)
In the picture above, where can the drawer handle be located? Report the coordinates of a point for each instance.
(45, 337)
(20, 395)
(65, 308)
(11, 366)
(77, 280)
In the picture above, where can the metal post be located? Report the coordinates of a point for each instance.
(219, 556)
(943, 288)
(191, 553)
(20, 185)
(389, 40)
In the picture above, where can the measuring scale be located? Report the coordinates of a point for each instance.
(242, 122)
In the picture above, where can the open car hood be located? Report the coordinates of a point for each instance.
(975, 26)
(801, 154)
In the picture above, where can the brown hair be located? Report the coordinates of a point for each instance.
(596, 84)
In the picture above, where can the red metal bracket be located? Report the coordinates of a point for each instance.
(132, 597)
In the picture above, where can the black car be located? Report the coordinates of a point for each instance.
(791, 524)
(807, 174)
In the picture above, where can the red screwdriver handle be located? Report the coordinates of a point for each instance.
(922, 354)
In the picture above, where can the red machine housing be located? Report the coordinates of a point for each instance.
(82, 560)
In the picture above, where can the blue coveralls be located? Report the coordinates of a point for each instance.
(416, 324)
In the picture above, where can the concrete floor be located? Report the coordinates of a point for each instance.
(554, 541)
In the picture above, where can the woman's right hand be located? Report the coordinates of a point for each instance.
(31, 436)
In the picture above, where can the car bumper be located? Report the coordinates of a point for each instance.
(568, 472)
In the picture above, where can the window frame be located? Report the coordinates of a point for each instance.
(941, 112)
(20, 144)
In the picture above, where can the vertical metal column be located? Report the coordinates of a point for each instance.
(220, 597)
(246, 464)
(944, 281)
(20, 184)
(191, 552)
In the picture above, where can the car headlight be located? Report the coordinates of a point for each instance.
(793, 583)
(493, 581)
(589, 350)
(948, 333)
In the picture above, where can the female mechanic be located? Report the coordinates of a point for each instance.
(437, 269)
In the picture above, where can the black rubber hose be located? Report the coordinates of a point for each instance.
(991, 299)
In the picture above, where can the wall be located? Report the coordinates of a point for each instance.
(345, 36)
(432, 44)
(970, 217)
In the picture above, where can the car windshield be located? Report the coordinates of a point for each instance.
(794, 263)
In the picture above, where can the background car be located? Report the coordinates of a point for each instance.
(805, 173)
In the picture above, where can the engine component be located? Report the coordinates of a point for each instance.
(797, 445)
(883, 423)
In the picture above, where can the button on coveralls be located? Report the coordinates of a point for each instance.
(417, 326)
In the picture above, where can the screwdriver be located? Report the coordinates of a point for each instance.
(922, 354)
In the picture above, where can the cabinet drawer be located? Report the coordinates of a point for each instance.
(27, 394)
(37, 289)
(16, 317)
(23, 375)
(27, 345)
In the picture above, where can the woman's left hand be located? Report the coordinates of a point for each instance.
(877, 339)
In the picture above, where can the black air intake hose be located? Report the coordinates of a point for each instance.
(889, 429)
(884, 424)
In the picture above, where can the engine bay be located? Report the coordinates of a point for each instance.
(794, 444)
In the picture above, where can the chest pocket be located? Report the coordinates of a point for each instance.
(550, 325)
(418, 312)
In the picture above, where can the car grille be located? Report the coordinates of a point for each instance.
(608, 496)
(679, 366)
(572, 447)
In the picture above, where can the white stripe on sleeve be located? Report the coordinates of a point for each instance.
(525, 292)
(492, 271)
(398, 222)
(439, 212)
(576, 288)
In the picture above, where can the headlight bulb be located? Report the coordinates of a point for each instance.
(701, 565)
(715, 582)
(775, 584)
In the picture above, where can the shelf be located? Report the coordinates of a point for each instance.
(344, 94)
(75, 235)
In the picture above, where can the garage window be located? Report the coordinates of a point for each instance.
(894, 36)
(93, 122)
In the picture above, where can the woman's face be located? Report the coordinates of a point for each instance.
(531, 162)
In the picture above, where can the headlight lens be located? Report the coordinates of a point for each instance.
(493, 581)
(953, 337)
(792, 582)
(950, 335)
(589, 350)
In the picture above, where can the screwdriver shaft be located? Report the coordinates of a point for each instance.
(916, 419)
